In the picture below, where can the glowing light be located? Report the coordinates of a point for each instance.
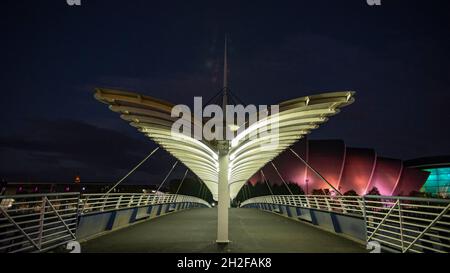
(250, 150)
(233, 127)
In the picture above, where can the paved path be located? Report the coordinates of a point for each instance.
(251, 231)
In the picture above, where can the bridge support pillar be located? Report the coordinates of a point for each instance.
(224, 197)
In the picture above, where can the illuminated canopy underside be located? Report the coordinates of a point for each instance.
(296, 118)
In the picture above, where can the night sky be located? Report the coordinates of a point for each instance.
(395, 56)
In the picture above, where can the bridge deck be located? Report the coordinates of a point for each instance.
(251, 231)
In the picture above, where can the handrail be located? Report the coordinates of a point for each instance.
(352, 205)
(32, 195)
(41, 222)
(91, 203)
(402, 224)
(422, 199)
(37, 222)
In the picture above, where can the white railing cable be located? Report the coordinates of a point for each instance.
(132, 171)
(315, 171)
(265, 181)
(167, 176)
(182, 180)
(282, 179)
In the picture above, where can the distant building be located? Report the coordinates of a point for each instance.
(14, 188)
(438, 182)
(345, 168)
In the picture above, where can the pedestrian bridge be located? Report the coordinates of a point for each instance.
(194, 231)
(149, 223)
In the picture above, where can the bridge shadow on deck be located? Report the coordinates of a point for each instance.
(194, 231)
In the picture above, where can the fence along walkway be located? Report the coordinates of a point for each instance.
(37, 223)
(401, 224)
(41, 222)
(90, 203)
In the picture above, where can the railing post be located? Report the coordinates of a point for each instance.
(104, 203)
(130, 203)
(118, 202)
(84, 205)
(365, 215)
(153, 199)
(317, 203)
(360, 203)
(328, 203)
(400, 217)
(342, 201)
(41, 221)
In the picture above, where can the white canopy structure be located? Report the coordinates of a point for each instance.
(296, 118)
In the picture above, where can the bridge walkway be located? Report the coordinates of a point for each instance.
(194, 231)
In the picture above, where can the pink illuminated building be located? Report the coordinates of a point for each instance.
(345, 168)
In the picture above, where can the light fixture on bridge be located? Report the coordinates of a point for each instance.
(233, 127)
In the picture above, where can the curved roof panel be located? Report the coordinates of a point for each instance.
(274, 133)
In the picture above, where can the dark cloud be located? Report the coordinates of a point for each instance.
(60, 149)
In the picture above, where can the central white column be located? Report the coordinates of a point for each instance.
(224, 196)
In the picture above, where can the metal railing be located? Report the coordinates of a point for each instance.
(401, 224)
(41, 222)
(352, 205)
(91, 203)
(408, 224)
(37, 222)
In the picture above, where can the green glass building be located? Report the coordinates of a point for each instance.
(438, 183)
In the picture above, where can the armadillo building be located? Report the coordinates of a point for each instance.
(346, 169)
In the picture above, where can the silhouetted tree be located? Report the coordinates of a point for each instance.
(191, 187)
(260, 189)
(374, 191)
(421, 194)
(350, 193)
(318, 192)
(295, 188)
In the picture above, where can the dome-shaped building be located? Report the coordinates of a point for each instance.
(345, 168)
